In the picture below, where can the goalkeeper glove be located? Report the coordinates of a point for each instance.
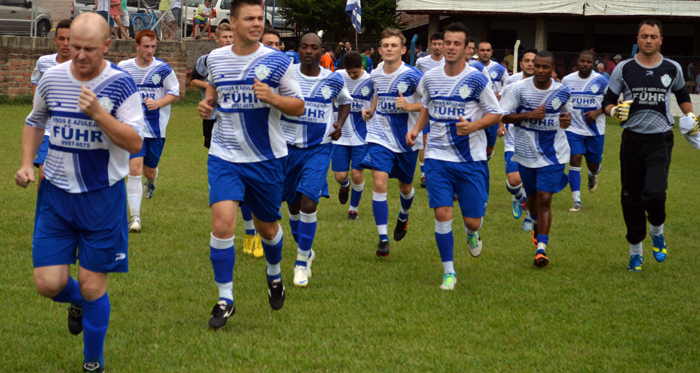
(622, 111)
(696, 127)
(689, 125)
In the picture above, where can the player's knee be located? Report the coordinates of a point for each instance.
(340, 177)
(405, 188)
(474, 224)
(268, 231)
(443, 214)
(576, 160)
(91, 289)
(357, 177)
(307, 205)
(48, 286)
(544, 200)
(514, 179)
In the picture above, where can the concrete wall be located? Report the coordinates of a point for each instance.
(18, 55)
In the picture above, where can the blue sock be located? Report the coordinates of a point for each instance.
(445, 243)
(307, 231)
(381, 214)
(346, 183)
(95, 324)
(575, 182)
(273, 255)
(542, 238)
(406, 202)
(70, 294)
(223, 259)
(534, 218)
(356, 195)
(294, 225)
(248, 220)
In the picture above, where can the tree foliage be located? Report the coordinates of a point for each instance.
(329, 16)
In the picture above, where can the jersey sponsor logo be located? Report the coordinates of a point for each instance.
(649, 95)
(402, 87)
(239, 95)
(326, 92)
(666, 80)
(583, 101)
(262, 72)
(314, 112)
(106, 104)
(556, 103)
(365, 91)
(75, 137)
(464, 92)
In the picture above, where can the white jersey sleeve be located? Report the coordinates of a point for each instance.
(42, 64)
(81, 157)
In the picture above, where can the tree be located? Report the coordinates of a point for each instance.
(329, 16)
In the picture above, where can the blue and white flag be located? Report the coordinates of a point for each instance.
(354, 11)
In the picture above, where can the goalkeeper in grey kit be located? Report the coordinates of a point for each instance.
(646, 81)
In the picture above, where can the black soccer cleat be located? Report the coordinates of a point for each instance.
(220, 314)
(401, 229)
(422, 182)
(343, 195)
(352, 215)
(275, 294)
(75, 320)
(383, 249)
(93, 367)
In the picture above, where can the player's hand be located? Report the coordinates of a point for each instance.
(592, 116)
(502, 130)
(401, 102)
(205, 108)
(464, 127)
(367, 114)
(151, 104)
(263, 92)
(538, 113)
(565, 120)
(622, 111)
(24, 176)
(411, 138)
(335, 135)
(696, 127)
(88, 103)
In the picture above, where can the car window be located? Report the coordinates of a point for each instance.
(13, 3)
(226, 4)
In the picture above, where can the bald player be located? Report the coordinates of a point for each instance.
(96, 123)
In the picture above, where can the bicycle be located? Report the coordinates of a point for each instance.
(147, 19)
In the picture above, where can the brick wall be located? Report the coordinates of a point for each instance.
(18, 55)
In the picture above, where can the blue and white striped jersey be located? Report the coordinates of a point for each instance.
(514, 79)
(390, 125)
(538, 143)
(586, 95)
(314, 126)
(154, 81)
(81, 156)
(362, 92)
(202, 69)
(43, 64)
(509, 138)
(468, 95)
(248, 130)
(498, 75)
(427, 63)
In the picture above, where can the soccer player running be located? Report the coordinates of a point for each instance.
(497, 75)
(159, 88)
(586, 135)
(425, 64)
(61, 41)
(252, 86)
(513, 182)
(539, 108)
(350, 149)
(96, 122)
(460, 103)
(647, 81)
(396, 106)
(309, 145)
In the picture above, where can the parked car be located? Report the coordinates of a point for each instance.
(132, 6)
(222, 11)
(16, 18)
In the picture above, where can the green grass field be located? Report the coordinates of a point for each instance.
(583, 313)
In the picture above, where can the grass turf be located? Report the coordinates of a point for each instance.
(584, 312)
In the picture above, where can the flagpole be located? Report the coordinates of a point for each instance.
(357, 47)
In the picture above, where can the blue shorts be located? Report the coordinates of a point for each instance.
(511, 166)
(151, 150)
(258, 185)
(551, 179)
(90, 227)
(491, 135)
(306, 172)
(41, 153)
(469, 180)
(590, 146)
(426, 131)
(198, 21)
(401, 166)
(344, 155)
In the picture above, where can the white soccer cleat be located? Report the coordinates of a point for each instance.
(449, 280)
(300, 277)
(474, 244)
(135, 224)
(312, 257)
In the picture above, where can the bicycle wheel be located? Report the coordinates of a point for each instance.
(139, 24)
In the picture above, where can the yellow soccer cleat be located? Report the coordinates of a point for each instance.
(257, 247)
(248, 243)
(621, 112)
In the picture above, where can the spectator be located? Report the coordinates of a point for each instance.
(292, 53)
(423, 53)
(177, 13)
(168, 19)
(508, 58)
(505, 64)
(555, 77)
(609, 64)
(617, 59)
(367, 58)
(601, 70)
(343, 48)
(327, 60)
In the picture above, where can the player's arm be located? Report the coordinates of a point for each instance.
(206, 106)
(198, 80)
(172, 93)
(289, 102)
(536, 114)
(402, 104)
(32, 136)
(592, 116)
(367, 114)
(423, 119)
(168, 99)
(121, 134)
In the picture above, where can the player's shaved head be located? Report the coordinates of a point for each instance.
(90, 23)
(311, 38)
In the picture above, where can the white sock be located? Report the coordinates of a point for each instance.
(225, 290)
(449, 267)
(358, 187)
(636, 249)
(134, 194)
(656, 229)
(249, 225)
(576, 196)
